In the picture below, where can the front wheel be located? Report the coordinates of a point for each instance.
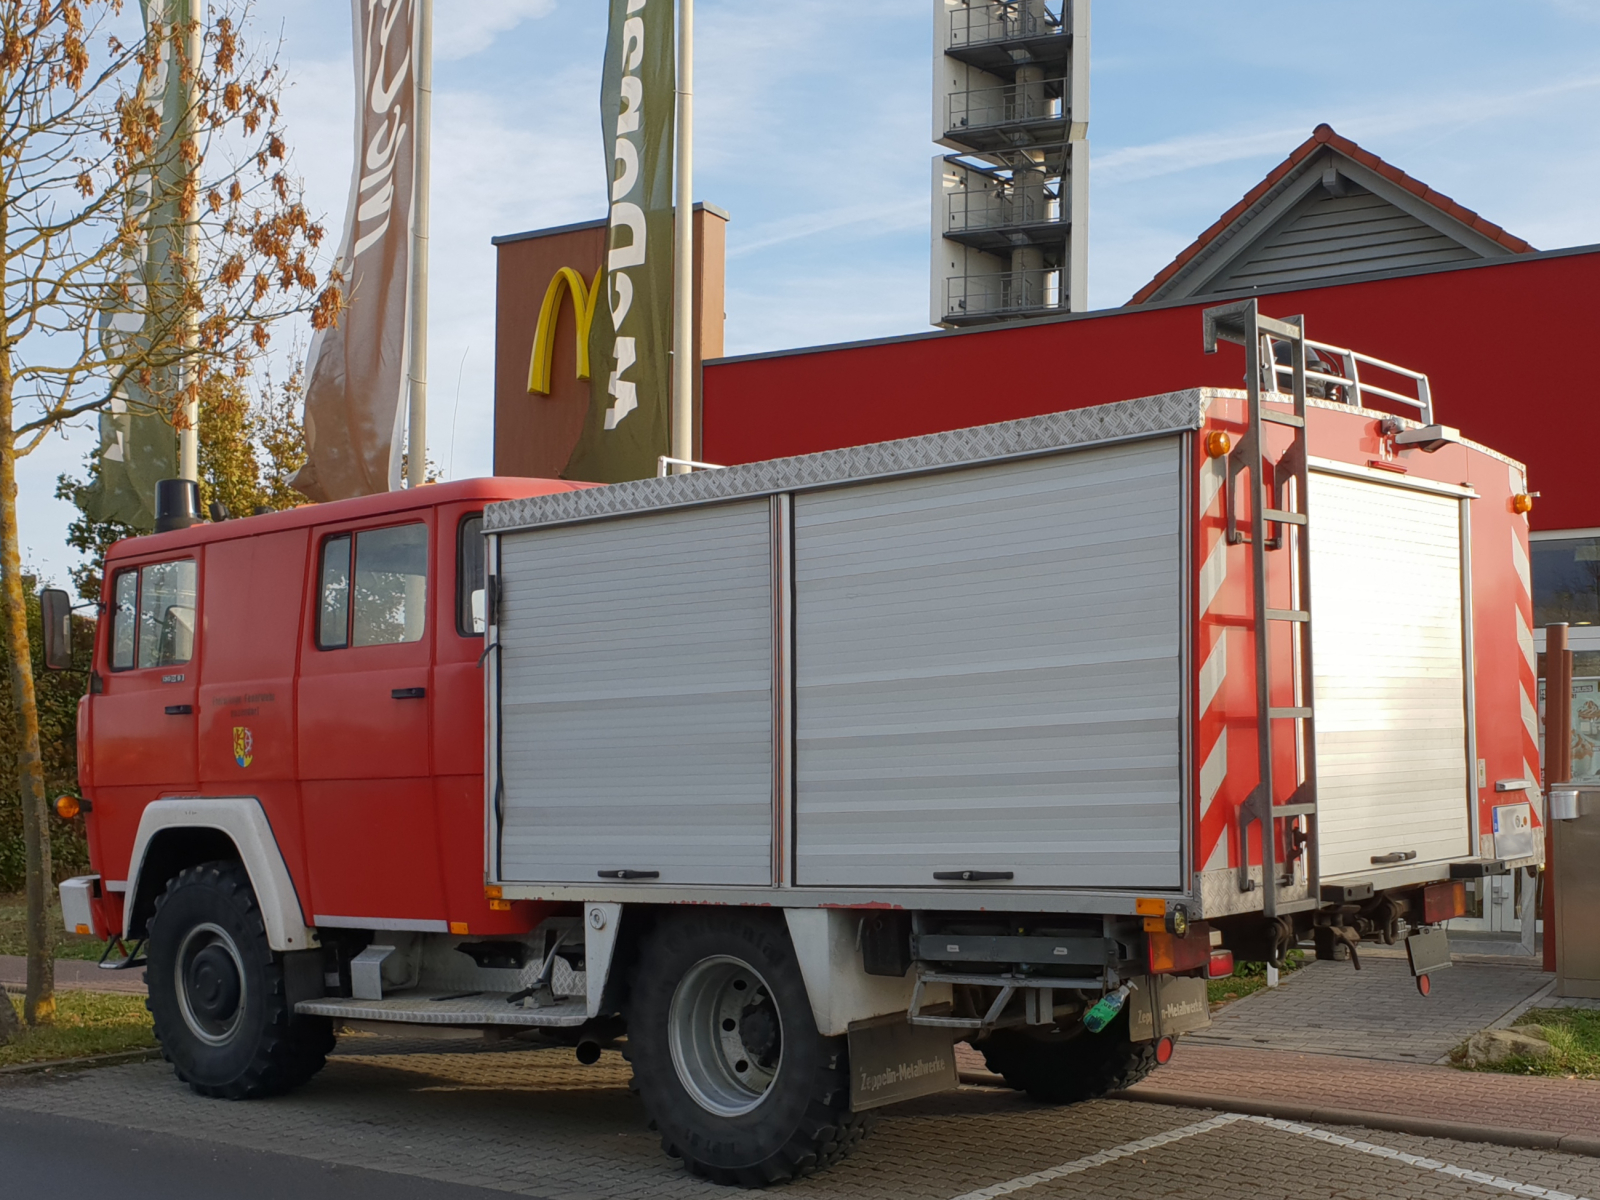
(217, 991)
(726, 1054)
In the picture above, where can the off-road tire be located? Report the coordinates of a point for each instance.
(265, 1048)
(803, 1123)
(1066, 1066)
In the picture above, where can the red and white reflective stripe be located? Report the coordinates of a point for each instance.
(1211, 732)
(1524, 618)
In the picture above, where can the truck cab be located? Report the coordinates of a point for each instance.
(320, 667)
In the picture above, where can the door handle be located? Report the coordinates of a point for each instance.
(408, 693)
(179, 710)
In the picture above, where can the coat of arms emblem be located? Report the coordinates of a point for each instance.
(243, 745)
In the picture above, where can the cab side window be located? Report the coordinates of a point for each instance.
(124, 619)
(153, 615)
(471, 614)
(373, 587)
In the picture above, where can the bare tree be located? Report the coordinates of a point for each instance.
(145, 244)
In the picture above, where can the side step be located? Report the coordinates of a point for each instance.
(420, 1007)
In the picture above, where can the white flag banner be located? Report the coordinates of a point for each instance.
(356, 372)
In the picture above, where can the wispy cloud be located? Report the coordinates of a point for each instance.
(1132, 164)
(877, 217)
(462, 28)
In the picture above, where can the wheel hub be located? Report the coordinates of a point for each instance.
(210, 983)
(726, 1035)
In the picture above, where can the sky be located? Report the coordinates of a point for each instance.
(814, 130)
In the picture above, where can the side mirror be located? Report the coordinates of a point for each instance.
(55, 608)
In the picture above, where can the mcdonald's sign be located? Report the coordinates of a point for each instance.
(566, 281)
(547, 284)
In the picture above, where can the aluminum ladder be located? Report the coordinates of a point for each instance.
(1279, 519)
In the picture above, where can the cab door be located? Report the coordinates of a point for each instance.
(364, 728)
(145, 714)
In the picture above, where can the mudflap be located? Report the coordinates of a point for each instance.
(1164, 1005)
(892, 1060)
(1428, 951)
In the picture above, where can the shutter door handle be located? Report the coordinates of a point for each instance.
(179, 710)
(628, 874)
(1394, 856)
(972, 876)
(408, 693)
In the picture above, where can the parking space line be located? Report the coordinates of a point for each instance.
(1089, 1162)
(1415, 1160)
(1101, 1158)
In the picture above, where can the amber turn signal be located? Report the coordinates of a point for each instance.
(1522, 502)
(1218, 443)
(67, 807)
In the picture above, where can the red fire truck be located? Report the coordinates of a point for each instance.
(789, 776)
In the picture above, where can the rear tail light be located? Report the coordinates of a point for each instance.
(1169, 954)
(1441, 901)
(1221, 964)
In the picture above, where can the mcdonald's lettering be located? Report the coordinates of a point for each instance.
(584, 295)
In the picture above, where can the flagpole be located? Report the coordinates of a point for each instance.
(189, 436)
(417, 414)
(683, 248)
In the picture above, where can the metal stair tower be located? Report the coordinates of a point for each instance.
(1011, 205)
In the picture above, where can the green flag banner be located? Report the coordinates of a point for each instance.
(630, 367)
(138, 444)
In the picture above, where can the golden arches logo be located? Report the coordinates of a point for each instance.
(544, 337)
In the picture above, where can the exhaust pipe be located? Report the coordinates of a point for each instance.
(588, 1052)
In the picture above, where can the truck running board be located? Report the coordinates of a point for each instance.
(452, 1008)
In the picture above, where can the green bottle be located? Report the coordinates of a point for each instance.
(1106, 1009)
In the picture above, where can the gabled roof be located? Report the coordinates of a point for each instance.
(1329, 209)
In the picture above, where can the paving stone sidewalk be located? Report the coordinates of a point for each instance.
(1376, 1013)
(73, 975)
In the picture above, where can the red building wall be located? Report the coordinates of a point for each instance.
(1509, 346)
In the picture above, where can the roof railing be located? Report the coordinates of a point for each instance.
(1350, 387)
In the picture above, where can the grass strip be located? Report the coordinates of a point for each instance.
(1248, 978)
(86, 1023)
(1574, 1036)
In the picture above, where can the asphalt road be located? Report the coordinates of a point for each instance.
(447, 1120)
(44, 1156)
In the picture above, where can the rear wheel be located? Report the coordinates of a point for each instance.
(1064, 1066)
(217, 991)
(726, 1054)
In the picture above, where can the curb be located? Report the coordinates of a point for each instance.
(120, 1058)
(17, 989)
(1527, 1139)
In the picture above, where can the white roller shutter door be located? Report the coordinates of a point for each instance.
(987, 674)
(1390, 675)
(636, 698)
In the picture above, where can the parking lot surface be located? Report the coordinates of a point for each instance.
(534, 1122)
